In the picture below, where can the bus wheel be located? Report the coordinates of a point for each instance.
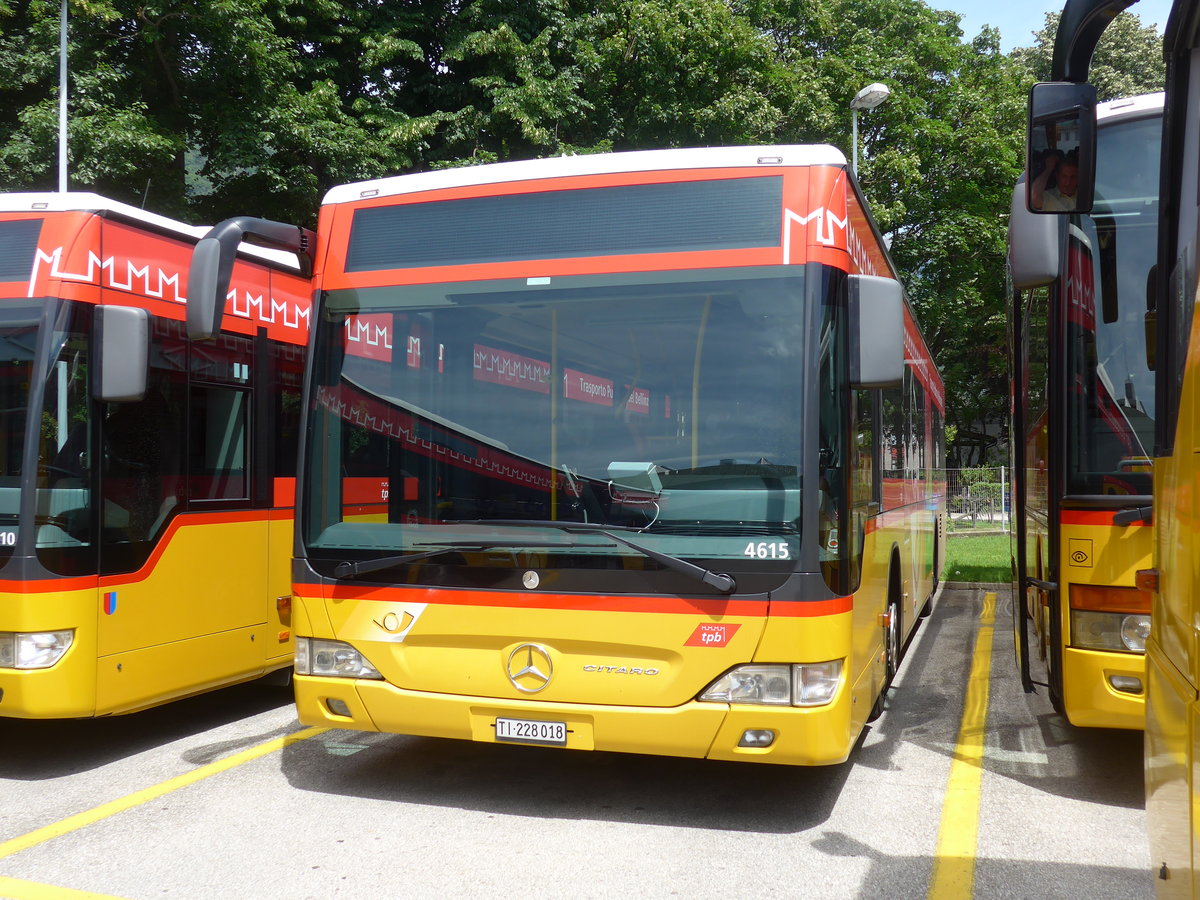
(891, 653)
(891, 643)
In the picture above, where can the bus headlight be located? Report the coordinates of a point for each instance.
(1134, 631)
(334, 659)
(33, 649)
(1109, 631)
(809, 684)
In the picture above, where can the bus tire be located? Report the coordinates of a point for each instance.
(892, 641)
(892, 645)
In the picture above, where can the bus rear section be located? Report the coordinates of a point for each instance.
(594, 458)
(146, 480)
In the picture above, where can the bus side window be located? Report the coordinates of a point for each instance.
(222, 373)
(218, 443)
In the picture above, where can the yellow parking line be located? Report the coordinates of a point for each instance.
(954, 865)
(14, 889)
(91, 816)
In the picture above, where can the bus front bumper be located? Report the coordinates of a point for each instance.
(1104, 690)
(813, 736)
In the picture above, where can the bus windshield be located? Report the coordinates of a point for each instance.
(1110, 253)
(448, 415)
(61, 506)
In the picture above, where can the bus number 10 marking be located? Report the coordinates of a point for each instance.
(767, 550)
(8, 538)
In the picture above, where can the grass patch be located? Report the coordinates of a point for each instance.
(983, 558)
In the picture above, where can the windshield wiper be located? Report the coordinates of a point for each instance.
(348, 569)
(723, 583)
(1129, 515)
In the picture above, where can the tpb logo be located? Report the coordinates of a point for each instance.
(712, 634)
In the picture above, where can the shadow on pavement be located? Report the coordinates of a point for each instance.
(543, 783)
(51, 748)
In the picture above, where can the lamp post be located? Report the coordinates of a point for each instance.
(868, 98)
(62, 98)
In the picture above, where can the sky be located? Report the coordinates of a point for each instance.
(1018, 19)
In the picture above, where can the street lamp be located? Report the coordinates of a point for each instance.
(868, 98)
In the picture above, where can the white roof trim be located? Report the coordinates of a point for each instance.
(83, 201)
(1129, 108)
(591, 164)
(80, 200)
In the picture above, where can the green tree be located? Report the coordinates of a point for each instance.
(207, 110)
(938, 162)
(192, 109)
(1128, 60)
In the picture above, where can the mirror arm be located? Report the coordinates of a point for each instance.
(1079, 30)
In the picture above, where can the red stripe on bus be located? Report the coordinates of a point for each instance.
(179, 522)
(46, 585)
(785, 609)
(186, 520)
(1098, 517)
(592, 603)
(284, 491)
(558, 268)
(579, 602)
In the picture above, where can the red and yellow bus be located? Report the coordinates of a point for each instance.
(146, 479)
(635, 452)
(1083, 428)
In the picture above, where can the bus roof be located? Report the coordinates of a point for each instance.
(1112, 111)
(84, 201)
(591, 164)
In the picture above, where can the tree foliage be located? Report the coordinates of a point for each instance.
(1128, 60)
(204, 110)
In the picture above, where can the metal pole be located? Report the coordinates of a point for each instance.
(853, 141)
(62, 98)
(1003, 497)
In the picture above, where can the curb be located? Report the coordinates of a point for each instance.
(976, 586)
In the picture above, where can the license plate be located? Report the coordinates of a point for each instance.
(528, 731)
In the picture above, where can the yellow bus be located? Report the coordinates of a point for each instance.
(1172, 742)
(1083, 426)
(634, 452)
(146, 479)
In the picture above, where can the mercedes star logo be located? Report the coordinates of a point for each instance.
(529, 668)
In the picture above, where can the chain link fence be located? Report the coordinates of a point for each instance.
(978, 499)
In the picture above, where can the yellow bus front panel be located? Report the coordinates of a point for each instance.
(1091, 693)
(1103, 686)
(66, 689)
(619, 680)
(695, 729)
(201, 613)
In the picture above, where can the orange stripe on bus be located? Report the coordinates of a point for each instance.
(602, 603)
(186, 520)
(811, 608)
(1096, 517)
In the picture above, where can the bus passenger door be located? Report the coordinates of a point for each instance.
(182, 557)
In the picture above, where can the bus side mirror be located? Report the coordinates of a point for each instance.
(208, 283)
(1032, 244)
(122, 336)
(1060, 151)
(212, 266)
(876, 332)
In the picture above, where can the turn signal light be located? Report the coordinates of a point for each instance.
(1105, 598)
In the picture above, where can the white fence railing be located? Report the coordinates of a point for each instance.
(978, 498)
